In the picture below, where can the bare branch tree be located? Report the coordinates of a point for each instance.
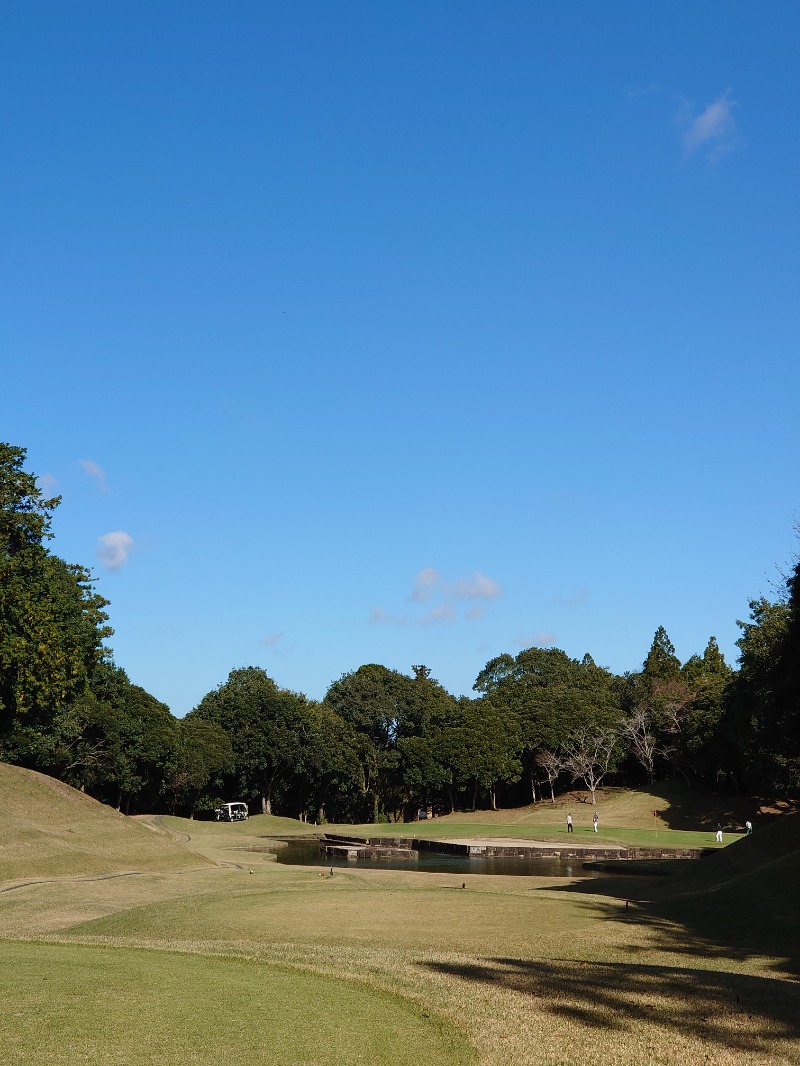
(590, 755)
(551, 764)
(638, 729)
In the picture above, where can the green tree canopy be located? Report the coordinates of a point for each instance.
(268, 727)
(52, 622)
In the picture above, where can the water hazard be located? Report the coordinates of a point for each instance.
(308, 853)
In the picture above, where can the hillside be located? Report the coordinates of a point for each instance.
(679, 808)
(745, 896)
(49, 830)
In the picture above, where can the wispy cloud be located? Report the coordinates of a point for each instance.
(539, 640)
(95, 472)
(713, 131)
(444, 596)
(424, 584)
(271, 640)
(114, 549)
(429, 583)
(577, 599)
(477, 587)
(637, 90)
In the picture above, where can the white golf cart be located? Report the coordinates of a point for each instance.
(231, 812)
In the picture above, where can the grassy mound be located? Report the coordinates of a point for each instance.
(49, 830)
(745, 896)
(678, 807)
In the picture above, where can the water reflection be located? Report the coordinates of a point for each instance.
(308, 853)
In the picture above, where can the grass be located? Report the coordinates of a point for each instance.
(48, 830)
(534, 971)
(61, 1003)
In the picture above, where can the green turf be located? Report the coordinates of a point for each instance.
(61, 1005)
(49, 830)
(213, 951)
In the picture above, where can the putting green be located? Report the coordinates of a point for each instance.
(62, 1004)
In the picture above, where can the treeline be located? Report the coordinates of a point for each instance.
(381, 744)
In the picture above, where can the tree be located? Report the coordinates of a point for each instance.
(707, 678)
(332, 768)
(373, 701)
(268, 728)
(760, 725)
(52, 623)
(203, 753)
(488, 748)
(655, 701)
(551, 763)
(638, 728)
(551, 695)
(591, 754)
(662, 662)
(144, 748)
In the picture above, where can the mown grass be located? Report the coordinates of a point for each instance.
(531, 971)
(49, 830)
(66, 1004)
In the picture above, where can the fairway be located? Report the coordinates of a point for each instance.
(224, 954)
(62, 1004)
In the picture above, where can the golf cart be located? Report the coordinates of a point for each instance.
(231, 812)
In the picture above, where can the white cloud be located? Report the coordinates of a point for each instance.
(477, 587)
(443, 613)
(114, 549)
(271, 640)
(95, 472)
(539, 640)
(443, 596)
(424, 583)
(713, 129)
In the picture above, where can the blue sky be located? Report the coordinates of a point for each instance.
(404, 332)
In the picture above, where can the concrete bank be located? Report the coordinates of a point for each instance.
(367, 847)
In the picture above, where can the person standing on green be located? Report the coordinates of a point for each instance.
(569, 823)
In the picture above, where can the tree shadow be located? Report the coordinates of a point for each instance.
(738, 902)
(680, 807)
(736, 1011)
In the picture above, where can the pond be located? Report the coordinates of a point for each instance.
(308, 853)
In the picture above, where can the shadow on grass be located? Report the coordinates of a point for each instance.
(736, 1011)
(737, 903)
(682, 808)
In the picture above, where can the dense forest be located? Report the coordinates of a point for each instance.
(381, 744)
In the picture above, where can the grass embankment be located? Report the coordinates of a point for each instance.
(532, 971)
(49, 830)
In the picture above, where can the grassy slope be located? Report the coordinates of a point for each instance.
(685, 818)
(679, 809)
(49, 830)
(532, 971)
(745, 897)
